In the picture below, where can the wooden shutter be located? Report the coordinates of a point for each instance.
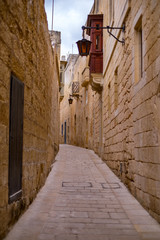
(16, 138)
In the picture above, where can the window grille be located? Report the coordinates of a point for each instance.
(75, 88)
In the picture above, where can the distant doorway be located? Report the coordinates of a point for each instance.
(86, 132)
(65, 132)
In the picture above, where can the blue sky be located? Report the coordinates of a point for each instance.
(69, 16)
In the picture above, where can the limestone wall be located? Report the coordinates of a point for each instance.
(66, 135)
(25, 51)
(131, 102)
(122, 122)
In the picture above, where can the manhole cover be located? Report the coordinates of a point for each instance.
(110, 185)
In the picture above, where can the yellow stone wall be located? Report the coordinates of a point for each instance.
(65, 108)
(79, 115)
(25, 50)
(131, 115)
(124, 118)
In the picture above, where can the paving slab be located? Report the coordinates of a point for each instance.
(82, 199)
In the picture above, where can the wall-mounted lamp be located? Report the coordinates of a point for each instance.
(84, 44)
(70, 99)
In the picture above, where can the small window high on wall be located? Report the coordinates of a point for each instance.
(116, 89)
(62, 130)
(109, 100)
(138, 50)
(86, 95)
(111, 12)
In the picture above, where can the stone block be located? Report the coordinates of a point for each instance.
(3, 196)
(4, 148)
(4, 116)
(3, 134)
(25, 50)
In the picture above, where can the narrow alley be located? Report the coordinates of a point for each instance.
(83, 200)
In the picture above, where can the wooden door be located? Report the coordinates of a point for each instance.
(16, 138)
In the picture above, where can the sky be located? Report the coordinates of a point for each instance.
(69, 17)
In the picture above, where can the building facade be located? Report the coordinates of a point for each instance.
(63, 64)
(29, 108)
(118, 115)
(65, 109)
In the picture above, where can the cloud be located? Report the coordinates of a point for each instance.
(69, 16)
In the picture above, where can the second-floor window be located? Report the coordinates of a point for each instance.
(97, 42)
(138, 50)
(62, 130)
(111, 12)
(86, 95)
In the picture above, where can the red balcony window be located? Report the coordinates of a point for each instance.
(96, 37)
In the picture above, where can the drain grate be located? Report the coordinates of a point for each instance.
(110, 185)
(77, 184)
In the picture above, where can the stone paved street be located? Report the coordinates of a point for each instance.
(83, 200)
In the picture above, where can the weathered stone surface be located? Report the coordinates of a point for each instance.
(122, 124)
(76, 205)
(26, 51)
